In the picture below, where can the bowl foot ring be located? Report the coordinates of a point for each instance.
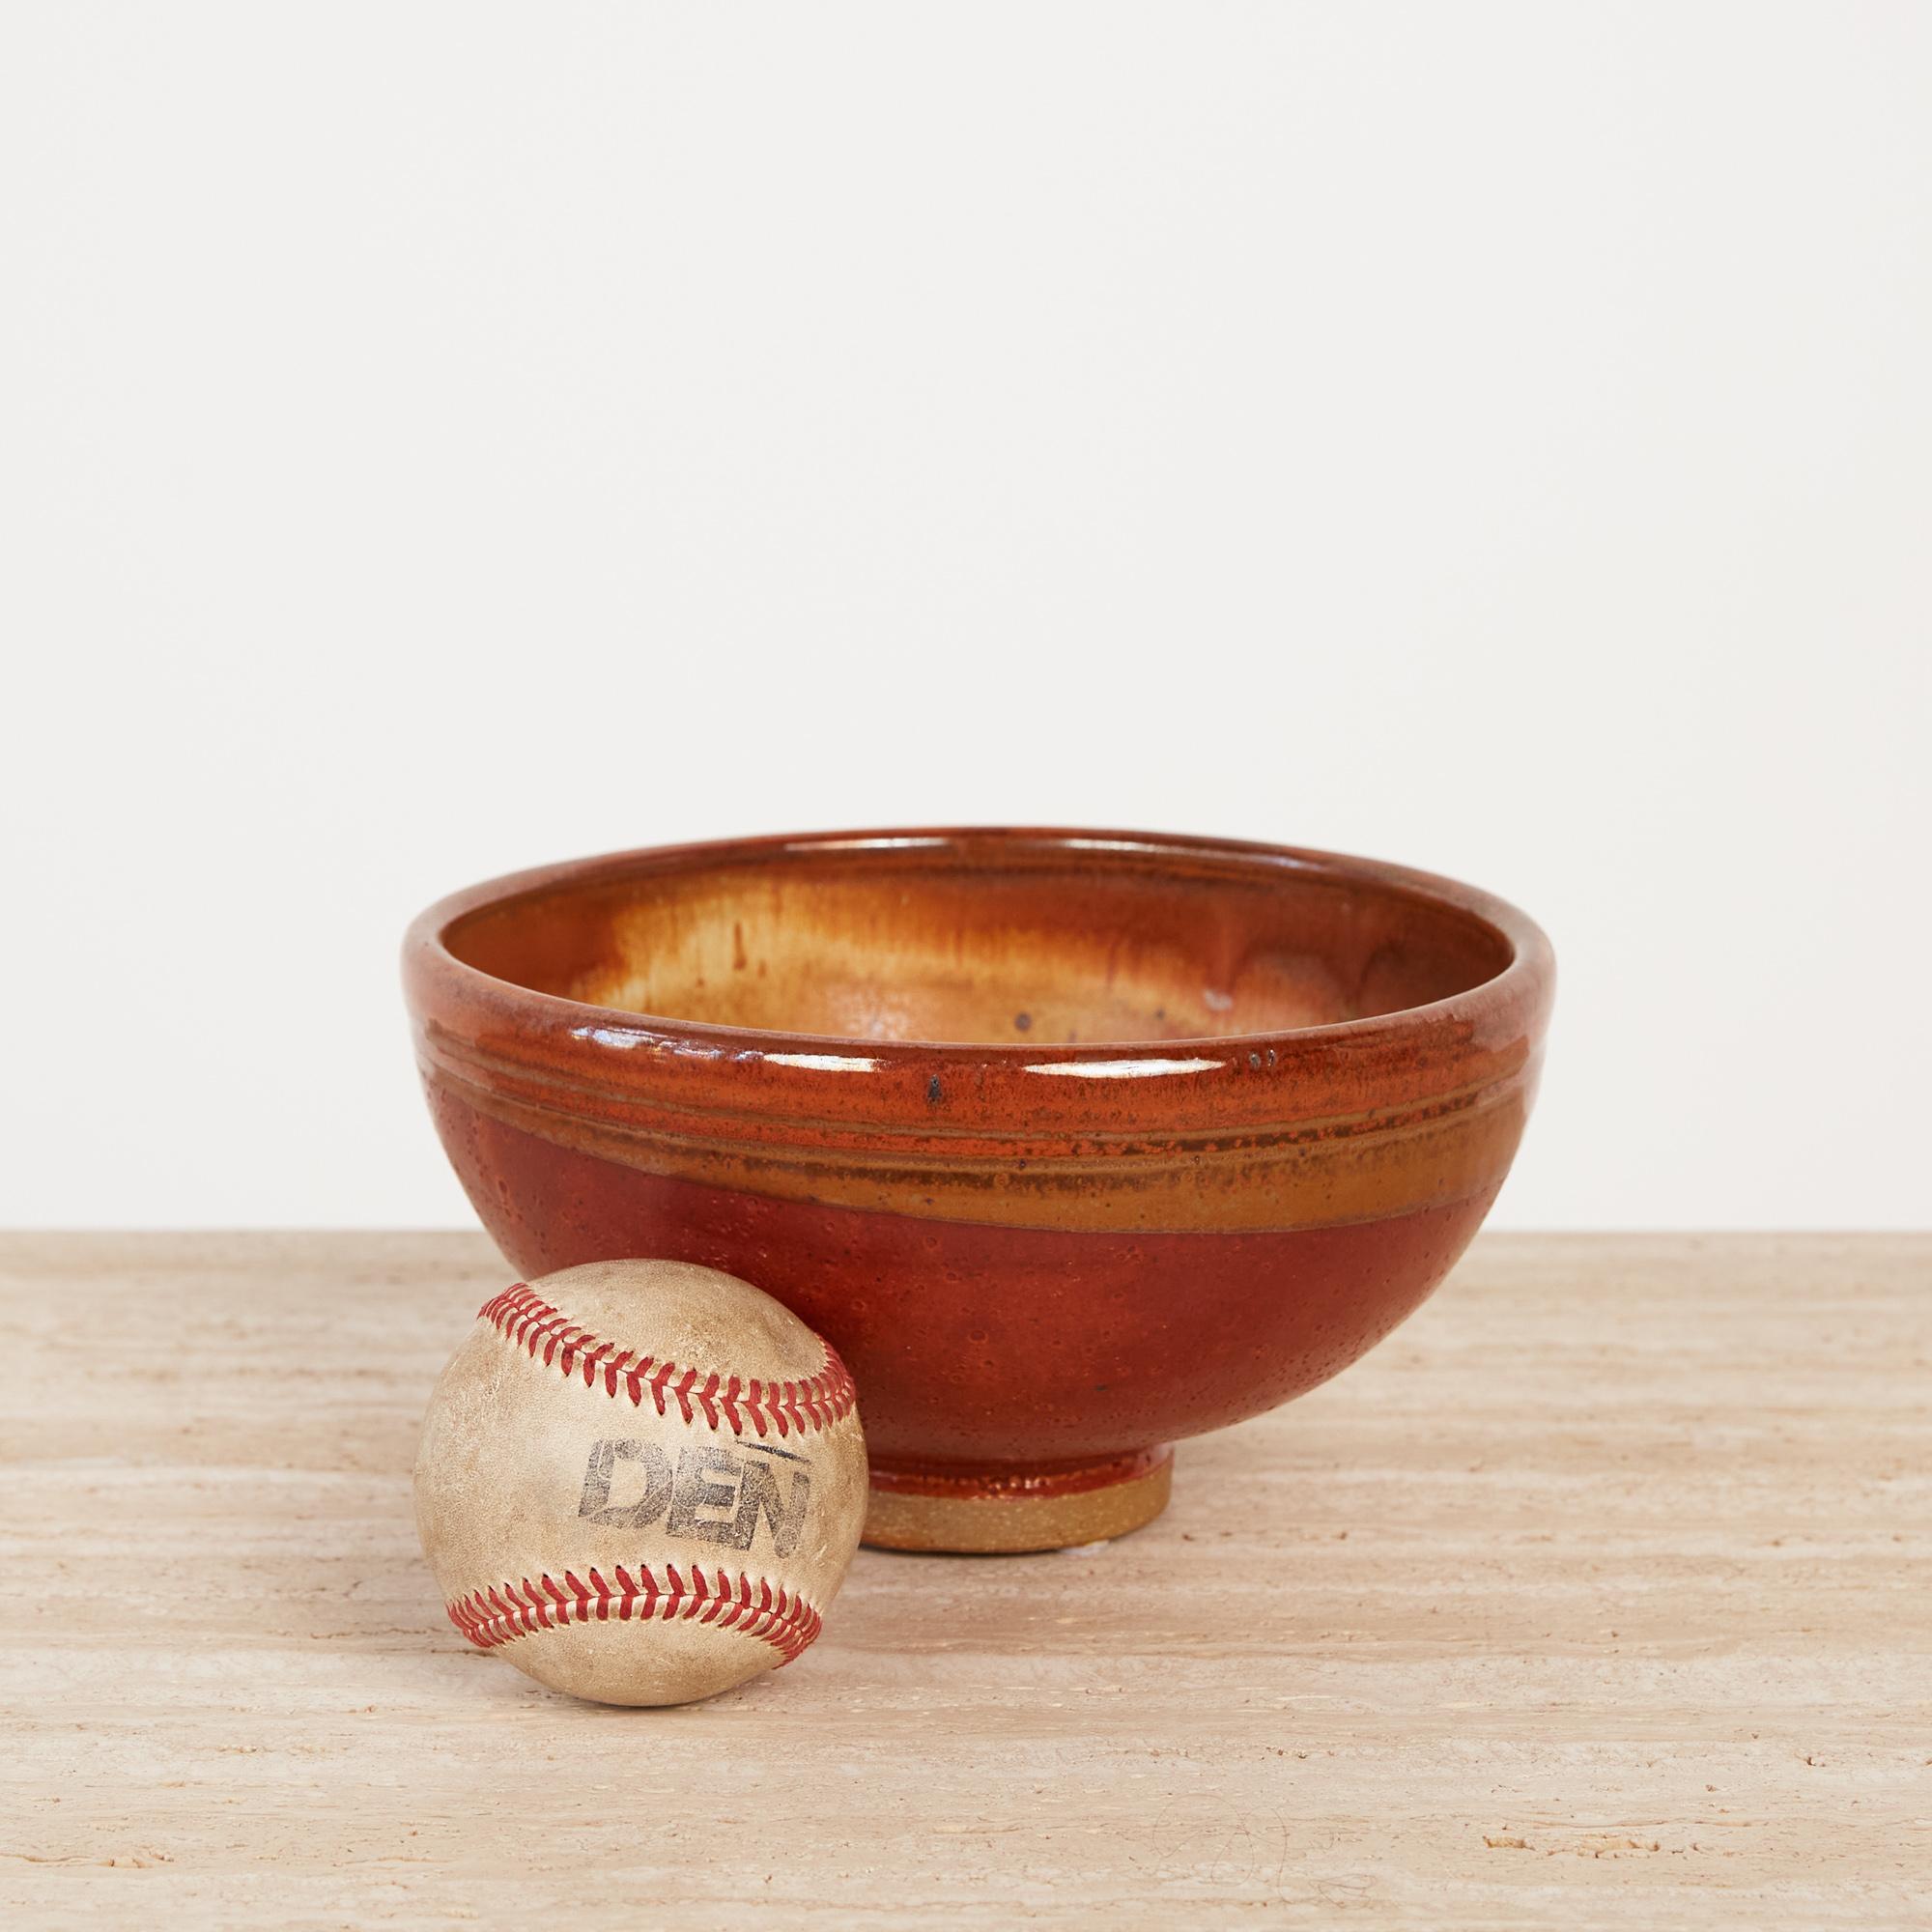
(1003, 1512)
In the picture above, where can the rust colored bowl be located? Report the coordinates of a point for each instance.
(1071, 1142)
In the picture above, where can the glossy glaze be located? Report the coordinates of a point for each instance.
(1071, 1142)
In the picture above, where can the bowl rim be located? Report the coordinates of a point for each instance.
(1524, 983)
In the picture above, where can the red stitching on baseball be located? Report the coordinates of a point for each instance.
(498, 1616)
(523, 1317)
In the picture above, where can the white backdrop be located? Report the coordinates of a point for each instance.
(443, 438)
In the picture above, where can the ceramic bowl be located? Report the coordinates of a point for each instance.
(1073, 1144)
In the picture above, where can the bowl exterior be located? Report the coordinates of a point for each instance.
(1026, 1260)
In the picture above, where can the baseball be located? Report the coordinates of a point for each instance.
(642, 1482)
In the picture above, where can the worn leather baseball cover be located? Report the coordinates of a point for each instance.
(643, 1481)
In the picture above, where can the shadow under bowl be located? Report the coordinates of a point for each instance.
(1071, 1142)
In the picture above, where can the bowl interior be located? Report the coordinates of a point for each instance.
(982, 941)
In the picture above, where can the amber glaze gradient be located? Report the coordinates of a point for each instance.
(1071, 1142)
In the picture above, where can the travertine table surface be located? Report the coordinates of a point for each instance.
(1598, 1595)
